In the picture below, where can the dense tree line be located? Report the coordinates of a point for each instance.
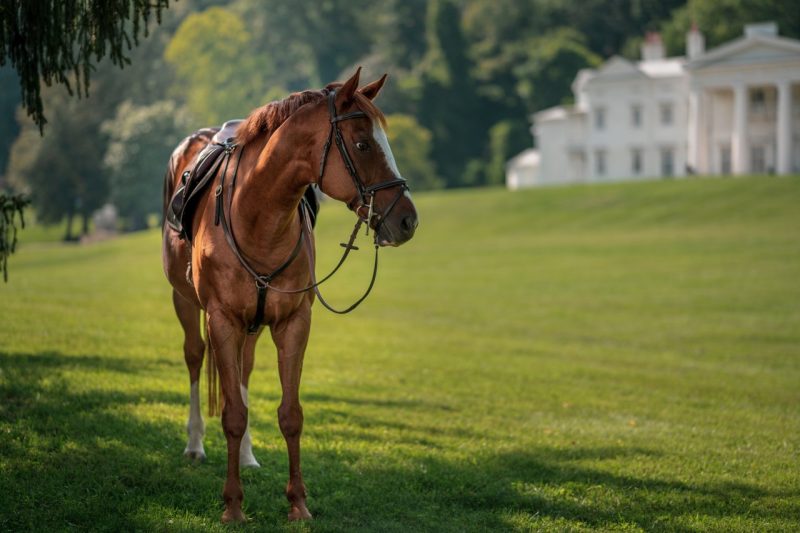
(465, 77)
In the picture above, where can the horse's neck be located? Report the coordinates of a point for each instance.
(265, 204)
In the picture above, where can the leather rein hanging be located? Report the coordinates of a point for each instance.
(366, 196)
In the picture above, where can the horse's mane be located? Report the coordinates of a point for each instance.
(268, 118)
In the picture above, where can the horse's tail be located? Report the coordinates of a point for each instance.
(169, 182)
(215, 401)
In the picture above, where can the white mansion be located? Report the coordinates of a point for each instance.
(734, 109)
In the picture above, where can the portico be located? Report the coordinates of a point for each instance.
(743, 105)
(743, 128)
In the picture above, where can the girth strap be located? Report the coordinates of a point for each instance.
(261, 299)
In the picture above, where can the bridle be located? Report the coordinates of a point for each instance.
(365, 194)
(364, 199)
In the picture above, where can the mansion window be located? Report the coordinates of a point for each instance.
(725, 160)
(636, 116)
(758, 101)
(666, 113)
(600, 162)
(758, 160)
(667, 162)
(600, 118)
(636, 161)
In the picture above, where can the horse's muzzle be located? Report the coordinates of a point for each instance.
(397, 230)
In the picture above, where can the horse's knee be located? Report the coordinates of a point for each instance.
(290, 419)
(234, 421)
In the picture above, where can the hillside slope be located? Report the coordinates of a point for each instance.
(597, 357)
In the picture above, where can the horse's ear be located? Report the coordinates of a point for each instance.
(371, 90)
(348, 89)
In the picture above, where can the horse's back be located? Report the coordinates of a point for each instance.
(182, 156)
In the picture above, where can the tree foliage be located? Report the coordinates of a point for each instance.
(57, 41)
(723, 20)
(63, 170)
(217, 75)
(450, 105)
(141, 140)
(9, 128)
(411, 146)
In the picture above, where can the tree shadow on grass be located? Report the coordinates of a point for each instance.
(81, 459)
(525, 488)
(74, 460)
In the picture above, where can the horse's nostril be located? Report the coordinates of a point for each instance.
(409, 223)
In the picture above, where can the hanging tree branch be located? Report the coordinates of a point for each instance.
(11, 208)
(55, 41)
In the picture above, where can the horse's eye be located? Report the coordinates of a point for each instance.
(362, 146)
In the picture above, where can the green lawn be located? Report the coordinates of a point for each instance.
(602, 357)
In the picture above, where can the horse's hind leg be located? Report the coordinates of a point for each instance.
(291, 337)
(193, 351)
(246, 457)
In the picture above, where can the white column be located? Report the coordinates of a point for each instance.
(784, 128)
(739, 140)
(693, 155)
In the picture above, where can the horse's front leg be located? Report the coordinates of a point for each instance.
(227, 337)
(290, 337)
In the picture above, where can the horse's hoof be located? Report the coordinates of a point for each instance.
(299, 512)
(197, 456)
(233, 516)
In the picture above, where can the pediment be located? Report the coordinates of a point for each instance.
(617, 66)
(748, 51)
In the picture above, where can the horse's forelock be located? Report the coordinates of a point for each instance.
(367, 106)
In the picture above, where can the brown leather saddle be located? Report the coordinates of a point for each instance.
(203, 171)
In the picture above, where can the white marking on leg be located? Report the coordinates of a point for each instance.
(195, 427)
(246, 457)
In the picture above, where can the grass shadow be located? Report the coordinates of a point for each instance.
(74, 460)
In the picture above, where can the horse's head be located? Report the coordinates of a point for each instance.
(358, 167)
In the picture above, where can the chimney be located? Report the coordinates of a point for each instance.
(652, 47)
(764, 29)
(695, 43)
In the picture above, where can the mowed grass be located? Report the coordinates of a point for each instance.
(613, 357)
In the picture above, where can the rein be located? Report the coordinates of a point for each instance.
(366, 196)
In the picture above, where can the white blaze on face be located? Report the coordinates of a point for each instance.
(383, 142)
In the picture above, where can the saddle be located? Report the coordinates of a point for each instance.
(203, 171)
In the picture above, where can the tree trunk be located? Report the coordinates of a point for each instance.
(68, 235)
(85, 225)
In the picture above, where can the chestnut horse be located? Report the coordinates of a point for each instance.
(333, 138)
